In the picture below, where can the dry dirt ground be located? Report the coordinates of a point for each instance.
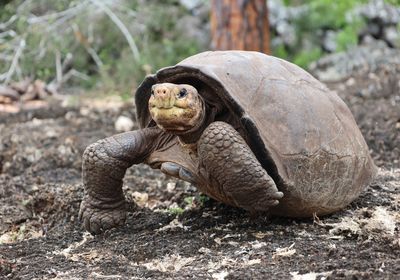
(172, 232)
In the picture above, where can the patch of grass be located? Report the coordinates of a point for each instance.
(321, 15)
(189, 200)
(305, 57)
(203, 199)
(176, 210)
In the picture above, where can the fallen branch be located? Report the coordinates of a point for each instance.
(121, 27)
(53, 86)
(86, 43)
(10, 33)
(75, 73)
(58, 66)
(6, 77)
(66, 13)
(61, 67)
(6, 24)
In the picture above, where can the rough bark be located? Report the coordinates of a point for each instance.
(240, 25)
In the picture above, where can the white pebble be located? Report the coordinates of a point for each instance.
(123, 124)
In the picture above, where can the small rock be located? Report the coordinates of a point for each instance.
(204, 250)
(171, 186)
(51, 133)
(381, 222)
(329, 41)
(191, 4)
(350, 82)
(71, 115)
(8, 238)
(141, 199)
(373, 29)
(123, 124)
(84, 111)
(391, 35)
(220, 275)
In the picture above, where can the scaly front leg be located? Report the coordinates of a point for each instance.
(104, 165)
(237, 176)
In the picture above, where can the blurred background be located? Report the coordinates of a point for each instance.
(108, 46)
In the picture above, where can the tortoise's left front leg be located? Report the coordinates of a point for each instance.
(237, 176)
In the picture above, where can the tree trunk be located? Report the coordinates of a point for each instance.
(240, 25)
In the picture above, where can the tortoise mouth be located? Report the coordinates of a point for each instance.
(175, 118)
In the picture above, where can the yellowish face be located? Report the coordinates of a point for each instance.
(175, 107)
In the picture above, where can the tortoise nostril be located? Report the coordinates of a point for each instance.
(161, 92)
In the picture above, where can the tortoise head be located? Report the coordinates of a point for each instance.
(176, 107)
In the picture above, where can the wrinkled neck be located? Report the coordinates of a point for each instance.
(192, 135)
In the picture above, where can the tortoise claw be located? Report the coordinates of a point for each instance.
(178, 171)
(97, 220)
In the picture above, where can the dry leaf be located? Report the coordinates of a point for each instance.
(172, 263)
(284, 252)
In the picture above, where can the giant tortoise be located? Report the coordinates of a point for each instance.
(248, 129)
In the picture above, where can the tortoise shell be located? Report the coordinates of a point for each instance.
(303, 134)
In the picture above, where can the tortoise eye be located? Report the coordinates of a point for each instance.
(182, 93)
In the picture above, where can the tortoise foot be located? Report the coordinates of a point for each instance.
(97, 219)
(238, 176)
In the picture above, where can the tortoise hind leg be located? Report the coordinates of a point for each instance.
(233, 169)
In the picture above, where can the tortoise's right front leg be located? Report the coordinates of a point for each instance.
(103, 169)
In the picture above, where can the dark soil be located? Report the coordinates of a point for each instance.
(172, 232)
